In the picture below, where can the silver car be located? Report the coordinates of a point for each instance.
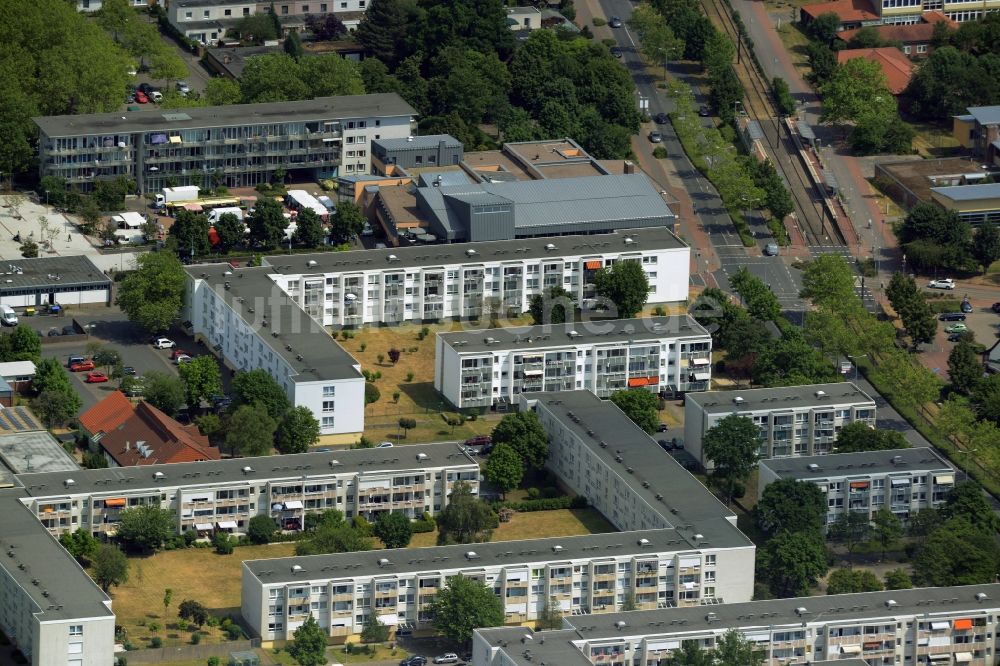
(655, 136)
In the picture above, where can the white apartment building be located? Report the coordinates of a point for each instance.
(939, 626)
(433, 282)
(903, 480)
(664, 355)
(793, 420)
(206, 21)
(50, 609)
(223, 495)
(582, 574)
(250, 323)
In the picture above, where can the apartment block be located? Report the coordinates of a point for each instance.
(223, 495)
(793, 420)
(664, 355)
(902, 480)
(245, 143)
(207, 21)
(945, 625)
(432, 282)
(583, 574)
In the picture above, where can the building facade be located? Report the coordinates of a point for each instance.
(901, 480)
(793, 421)
(665, 355)
(245, 143)
(467, 281)
(72, 280)
(223, 495)
(388, 155)
(944, 625)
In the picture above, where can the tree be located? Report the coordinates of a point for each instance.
(851, 529)
(152, 295)
(146, 527)
(105, 358)
(230, 230)
(23, 344)
(901, 290)
(923, 522)
(191, 232)
(465, 604)
(886, 529)
(81, 544)
(346, 222)
(29, 249)
(968, 501)
(690, 654)
(791, 505)
(293, 45)
(326, 27)
(965, 368)
(251, 431)
(258, 387)
(168, 596)
(110, 567)
(222, 543)
(163, 391)
(898, 579)
(858, 436)
(985, 395)
(222, 91)
(504, 468)
(733, 446)
(734, 649)
(383, 30)
(406, 423)
(193, 611)
(394, 355)
(56, 407)
(373, 631)
(760, 301)
(256, 28)
(550, 615)
(554, 306)
(267, 222)
(625, 285)
(333, 538)
(308, 228)
(658, 42)
(957, 553)
(848, 581)
(394, 529)
(639, 405)
(919, 320)
(50, 375)
(791, 563)
(525, 434)
(792, 361)
(297, 431)
(465, 519)
(261, 529)
(201, 379)
(824, 27)
(829, 280)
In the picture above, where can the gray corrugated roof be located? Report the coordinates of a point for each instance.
(559, 335)
(857, 464)
(293, 466)
(413, 142)
(969, 192)
(48, 271)
(782, 397)
(380, 105)
(985, 115)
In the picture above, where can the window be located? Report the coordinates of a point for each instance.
(206, 14)
(228, 12)
(921, 48)
(327, 422)
(76, 630)
(328, 406)
(187, 15)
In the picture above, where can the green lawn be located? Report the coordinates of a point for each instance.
(537, 525)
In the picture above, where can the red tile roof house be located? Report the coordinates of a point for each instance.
(915, 38)
(898, 69)
(141, 434)
(852, 13)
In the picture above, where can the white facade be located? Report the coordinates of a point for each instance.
(668, 355)
(206, 22)
(793, 420)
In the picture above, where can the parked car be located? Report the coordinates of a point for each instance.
(141, 98)
(704, 111)
(661, 119)
(164, 343)
(615, 22)
(662, 427)
(68, 330)
(952, 316)
(183, 358)
(177, 351)
(479, 440)
(96, 377)
(82, 366)
(415, 660)
(446, 658)
(616, 52)
(183, 88)
(144, 88)
(75, 359)
(384, 445)
(966, 305)
(943, 283)
(955, 337)
(156, 96)
(129, 370)
(655, 136)
(664, 444)
(771, 250)
(956, 328)
(53, 333)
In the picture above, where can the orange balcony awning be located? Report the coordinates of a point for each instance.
(593, 265)
(642, 381)
(859, 484)
(115, 501)
(962, 625)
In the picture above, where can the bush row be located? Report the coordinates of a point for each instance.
(550, 504)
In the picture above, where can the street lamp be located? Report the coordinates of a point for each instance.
(855, 364)
(965, 468)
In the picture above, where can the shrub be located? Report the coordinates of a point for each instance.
(212, 621)
(182, 624)
(122, 660)
(533, 493)
(598, 22)
(234, 632)
(546, 504)
(195, 638)
(372, 394)
(660, 153)
(190, 537)
(153, 627)
(213, 661)
(424, 524)
(424, 332)
(410, 376)
(223, 543)
(395, 396)
(156, 642)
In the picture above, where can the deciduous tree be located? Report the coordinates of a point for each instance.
(257, 386)
(230, 230)
(261, 529)
(757, 297)
(554, 306)
(394, 529)
(466, 519)
(986, 244)
(201, 378)
(791, 563)
(733, 446)
(347, 222)
(525, 434)
(965, 368)
(505, 468)
(847, 581)
(146, 527)
(957, 553)
(152, 295)
(858, 436)
(465, 604)
(251, 431)
(792, 505)
(625, 286)
(110, 567)
(886, 530)
(267, 222)
(56, 407)
(639, 405)
(297, 431)
(735, 649)
(898, 579)
(373, 631)
(851, 528)
(163, 391)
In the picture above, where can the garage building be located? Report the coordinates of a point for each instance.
(45, 280)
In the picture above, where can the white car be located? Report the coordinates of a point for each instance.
(446, 658)
(943, 283)
(384, 445)
(183, 88)
(164, 343)
(183, 358)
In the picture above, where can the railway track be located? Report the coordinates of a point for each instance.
(759, 106)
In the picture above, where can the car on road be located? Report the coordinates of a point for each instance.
(129, 370)
(415, 660)
(704, 111)
(661, 119)
(616, 51)
(665, 444)
(966, 305)
(141, 98)
(164, 343)
(177, 351)
(446, 658)
(943, 283)
(183, 358)
(96, 377)
(956, 328)
(479, 440)
(952, 316)
(655, 136)
(771, 250)
(82, 366)
(68, 330)
(615, 22)
(183, 88)
(384, 445)
(75, 359)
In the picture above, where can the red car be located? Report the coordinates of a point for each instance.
(141, 97)
(96, 378)
(178, 352)
(82, 366)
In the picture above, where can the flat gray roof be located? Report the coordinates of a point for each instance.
(680, 498)
(985, 115)
(381, 105)
(857, 464)
(258, 300)
(35, 452)
(63, 590)
(421, 256)
(266, 468)
(437, 558)
(46, 272)
(782, 397)
(555, 649)
(415, 142)
(562, 335)
(969, 192)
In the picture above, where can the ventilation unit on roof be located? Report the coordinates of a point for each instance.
(312, 263)
(334, 462)
(890, 603)
(296, 568)
(620, 624)
(897, 460)
(643, 542)
(471, 555)
(159, 475)
(248, 469)
(383, 562)
(550, 246)
(738, 400)
(470, 252)
(801, 610)
(699, 537)
(421, 456)
(69, 482)
(557, 549)
(813, 467)
(629, 240)
(981, 596)
(820, 394)
(392, 257)
(573, 334)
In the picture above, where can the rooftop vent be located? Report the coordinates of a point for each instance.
(471, 555)
(159, 475)
(981, 596)
(801, 610)
(738, 400)
(470, 252)
(820, 394)
(248, 470)
(296, 568)
(421, 456)
(383, 562)
(573, 334)
(312, 263)
(334, 462)
(890, 603)
(897, 460)
(629, 240)
(550, 246)
(711, 617)
(643, 542)
(392, 257)
(69, 482)
(813, 467)
(557, 549)
(620, 624)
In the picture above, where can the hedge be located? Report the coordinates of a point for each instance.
(564, 502)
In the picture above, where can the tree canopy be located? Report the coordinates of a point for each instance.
(259, 387)
(145, 527)
(847, 581)
(251, 431)
(394, 529)
(792, 505)
(152, 295)
(297, 431)
(110, 567)
(791, 563)
(525, 434)
(639, 405)
(465, 519)
(732, 445)
(504, 468)
(625, 286)
(308, 646)
(859, 436)
(465, 604)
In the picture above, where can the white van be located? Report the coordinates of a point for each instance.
(7, 316)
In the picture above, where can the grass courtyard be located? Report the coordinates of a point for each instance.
(537, 525)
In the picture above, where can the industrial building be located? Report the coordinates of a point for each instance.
(71, 280)
(901, 480)
(793, 420)
(482, 368)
